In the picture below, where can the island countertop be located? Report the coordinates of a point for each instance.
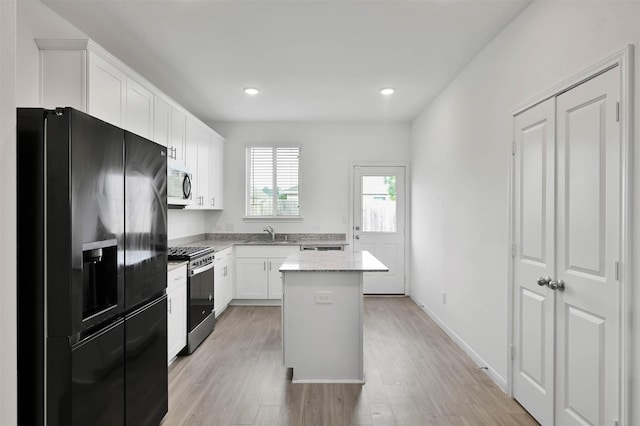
(332, 261)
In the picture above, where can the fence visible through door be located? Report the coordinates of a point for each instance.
(379, 224)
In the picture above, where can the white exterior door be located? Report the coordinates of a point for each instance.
(588, 249)
(533, 363)
(379, 224)
(567, 228)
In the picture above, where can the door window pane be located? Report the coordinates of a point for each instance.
(378, 203)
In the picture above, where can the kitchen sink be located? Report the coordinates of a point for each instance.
(270, 243)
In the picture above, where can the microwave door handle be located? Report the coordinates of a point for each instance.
(201, 269)
(186, 187)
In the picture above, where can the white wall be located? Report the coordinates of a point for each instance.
(327, 151)
(185, 223)
(35, 20)
(8, 324)
(461, 151)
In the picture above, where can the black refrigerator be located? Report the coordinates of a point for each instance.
(92, 272)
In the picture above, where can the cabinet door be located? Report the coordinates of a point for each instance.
(230, 278)
(219, 285)
(198, 159)
(107, 91)
(251, 278)
(161, 121)
(275, 277)
(139, 109)
(204, 165)
(177, 321)
(178, 127)
(192, 141)
(216, 172)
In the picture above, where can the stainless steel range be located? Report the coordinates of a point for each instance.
(201, 318)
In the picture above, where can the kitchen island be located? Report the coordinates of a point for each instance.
(322, 311)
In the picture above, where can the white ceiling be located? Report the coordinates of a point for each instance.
(312, 60)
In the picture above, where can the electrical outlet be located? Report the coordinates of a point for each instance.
(444, 297)
(324, 297)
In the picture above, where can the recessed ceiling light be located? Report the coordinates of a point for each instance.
(387, 91)
(251, 90)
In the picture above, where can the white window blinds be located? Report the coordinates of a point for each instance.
(273, 182)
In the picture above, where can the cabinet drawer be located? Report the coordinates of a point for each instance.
(224, 254)
(177, 277)
(266, 251)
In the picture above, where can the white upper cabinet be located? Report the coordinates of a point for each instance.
(204, 154)
(197, 158)
(177, 142)
(106, 97)
(204, 165)
(169, 129)
(82, 75)
(216, 172)
(139, 108)
(161, 121)
(191, 159)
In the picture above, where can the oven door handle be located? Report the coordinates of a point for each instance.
(201, 269)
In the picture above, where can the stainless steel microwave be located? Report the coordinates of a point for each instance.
(179, 181)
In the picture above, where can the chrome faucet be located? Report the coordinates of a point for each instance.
(269, 230)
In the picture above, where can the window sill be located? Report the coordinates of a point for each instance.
(272, 219)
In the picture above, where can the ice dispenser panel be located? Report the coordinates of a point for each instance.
(99, 277)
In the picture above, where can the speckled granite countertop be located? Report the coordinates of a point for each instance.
(216, 244)
(332, 261)
(223, 241)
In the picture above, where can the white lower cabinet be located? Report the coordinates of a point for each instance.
(257, 271)
(275, 277)
(223, 280)
(176, 311)
(252, 281)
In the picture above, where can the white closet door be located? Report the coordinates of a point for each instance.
(588, 247)
(567, 189)
(534, 185)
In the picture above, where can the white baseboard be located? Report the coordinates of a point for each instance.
(255, 302)
(490, 371)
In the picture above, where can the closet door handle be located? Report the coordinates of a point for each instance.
(557, 285)
(542, 281)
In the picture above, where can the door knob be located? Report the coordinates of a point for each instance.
(542, 281)
(557, 285)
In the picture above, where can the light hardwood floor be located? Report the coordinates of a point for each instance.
(415, 375)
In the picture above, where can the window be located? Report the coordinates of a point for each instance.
(379, 204)
(273, 177)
